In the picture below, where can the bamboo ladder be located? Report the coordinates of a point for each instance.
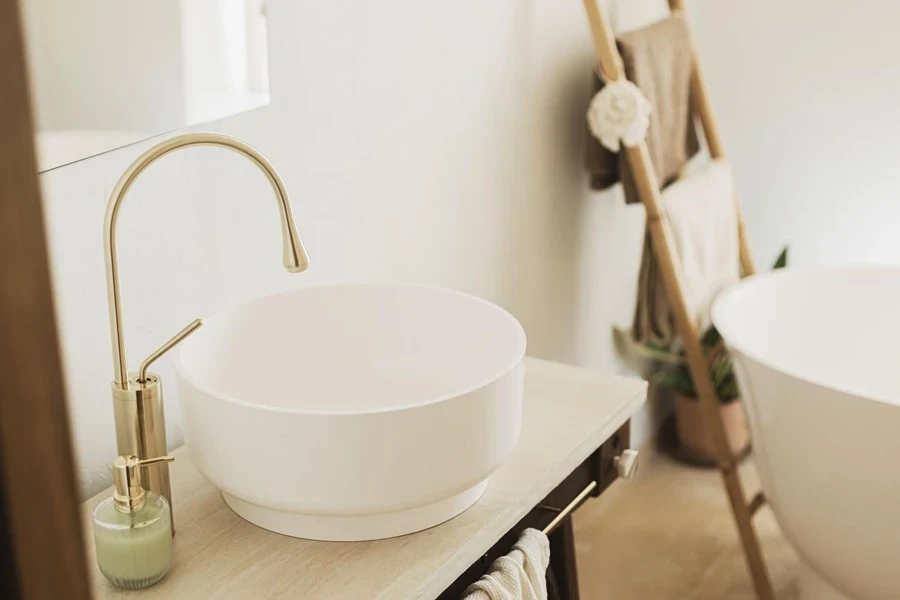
(610, 62)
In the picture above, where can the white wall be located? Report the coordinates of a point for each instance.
(224, 48)
(808, 98)
(128, 54)
(429, 142)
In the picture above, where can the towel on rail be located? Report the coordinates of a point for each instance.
(520, 575)
(658, 59)
(701, 212)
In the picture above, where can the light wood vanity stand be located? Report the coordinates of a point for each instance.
(575, 423)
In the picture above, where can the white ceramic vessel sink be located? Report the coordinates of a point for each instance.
(353, 412)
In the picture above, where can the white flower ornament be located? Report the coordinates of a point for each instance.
(619, 114)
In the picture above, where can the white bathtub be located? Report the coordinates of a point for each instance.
(817, 356)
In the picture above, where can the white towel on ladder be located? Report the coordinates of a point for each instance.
(701, 211)
(702, 214)
(520, 575)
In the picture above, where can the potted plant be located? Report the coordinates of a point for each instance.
(695, 442)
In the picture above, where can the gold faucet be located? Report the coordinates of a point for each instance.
(137, 399)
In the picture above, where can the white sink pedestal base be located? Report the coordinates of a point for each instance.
(357, 528)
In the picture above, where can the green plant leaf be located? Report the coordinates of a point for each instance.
(782, 260)
(677, 379)
(659, 353)
(711, 338)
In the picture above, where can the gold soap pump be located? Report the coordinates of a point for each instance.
(129, 495)
(133, 528)
(137, 398)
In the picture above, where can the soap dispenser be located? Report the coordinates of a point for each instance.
(133, 529)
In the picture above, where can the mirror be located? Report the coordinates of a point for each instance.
(108, 73)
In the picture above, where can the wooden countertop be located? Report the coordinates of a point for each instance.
(569, 412)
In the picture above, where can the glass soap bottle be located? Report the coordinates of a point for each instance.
(133, 529)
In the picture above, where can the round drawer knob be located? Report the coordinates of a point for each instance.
(626, 463)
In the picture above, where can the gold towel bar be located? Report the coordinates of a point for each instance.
(578, 501)
(626, 465)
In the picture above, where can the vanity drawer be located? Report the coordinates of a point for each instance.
(599, 467)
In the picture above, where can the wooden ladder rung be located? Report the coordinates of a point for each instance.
(758, 501)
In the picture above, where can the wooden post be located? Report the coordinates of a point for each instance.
(42, 552)
(609, 61)
(563, 562)
(703, 107)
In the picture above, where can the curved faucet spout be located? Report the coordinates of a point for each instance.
(295, 257)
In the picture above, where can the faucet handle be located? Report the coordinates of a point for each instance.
(174, 341)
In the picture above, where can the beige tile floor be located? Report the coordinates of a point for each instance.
(668, 534)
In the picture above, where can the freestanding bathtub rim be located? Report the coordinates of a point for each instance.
(722, 320)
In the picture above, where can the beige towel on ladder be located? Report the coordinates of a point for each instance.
(520, 575)
(658, 59)
(702, 214)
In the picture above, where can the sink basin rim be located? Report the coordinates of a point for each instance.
(521, 341)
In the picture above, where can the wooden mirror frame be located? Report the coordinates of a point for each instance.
(42, 552)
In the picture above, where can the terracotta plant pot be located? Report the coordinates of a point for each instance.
(694, 438)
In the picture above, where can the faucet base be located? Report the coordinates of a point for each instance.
(141, 429)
